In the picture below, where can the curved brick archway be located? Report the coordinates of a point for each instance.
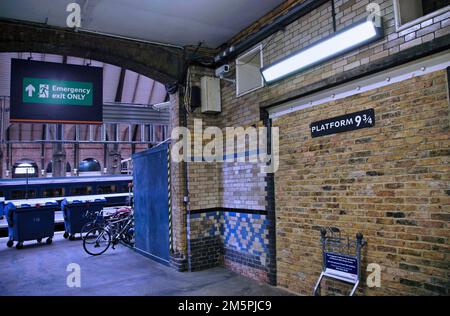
(161, 63)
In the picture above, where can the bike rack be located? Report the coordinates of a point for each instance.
(337, 261)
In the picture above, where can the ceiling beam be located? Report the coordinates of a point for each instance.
(161, 63)
(119, 90)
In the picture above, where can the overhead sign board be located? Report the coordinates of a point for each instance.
(55, 93)
(344, 123)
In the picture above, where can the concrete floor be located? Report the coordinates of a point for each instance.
(41, 270)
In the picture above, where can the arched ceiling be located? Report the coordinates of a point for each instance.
(176, 22)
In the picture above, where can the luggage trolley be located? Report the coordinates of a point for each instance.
(30, 220)
(76, 211)
(341, 259)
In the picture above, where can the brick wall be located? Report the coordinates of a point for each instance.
(204, 178)
(177, 188)
(205, 239)
(242, 186)
(239, 189)
(390, 182)
(312, 27)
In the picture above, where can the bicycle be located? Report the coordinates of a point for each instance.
(119, 228)
(99, 219)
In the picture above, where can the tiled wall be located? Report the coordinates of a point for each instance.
(246, 243)
(237, 240)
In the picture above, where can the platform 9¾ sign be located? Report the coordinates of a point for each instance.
(344, 123)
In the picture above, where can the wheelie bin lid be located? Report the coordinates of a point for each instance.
(33, 203)
(75, 200)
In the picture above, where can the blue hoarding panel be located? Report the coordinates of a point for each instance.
(150, 176)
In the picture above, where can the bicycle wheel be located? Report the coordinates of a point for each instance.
(128, 239)
(87, 227)
(96, 241)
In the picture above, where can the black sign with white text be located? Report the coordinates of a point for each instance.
(342, 263)
(344, 123)
(45, 92)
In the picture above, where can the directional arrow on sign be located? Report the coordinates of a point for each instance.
(30, 89)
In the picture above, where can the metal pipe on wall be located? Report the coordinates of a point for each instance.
(8, 151)
(184, 122)
(333, 14)
(2, 105)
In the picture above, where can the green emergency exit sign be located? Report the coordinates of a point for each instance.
(37, 90)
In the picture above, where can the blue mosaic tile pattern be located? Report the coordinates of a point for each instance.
(240, 233)
(246, 233)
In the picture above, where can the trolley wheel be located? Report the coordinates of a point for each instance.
(72, 237)
(10, 243)
(19, 245)
(66, 235)
(39, 240)
(49, 241)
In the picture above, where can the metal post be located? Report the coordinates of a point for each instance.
(59, 155)
(359, 243)
(323, 236)
(2, 127)
(26, 186)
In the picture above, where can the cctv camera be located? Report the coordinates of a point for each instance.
(222, 70)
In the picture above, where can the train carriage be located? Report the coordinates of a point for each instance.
(15, 189)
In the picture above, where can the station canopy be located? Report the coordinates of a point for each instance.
(176, 22)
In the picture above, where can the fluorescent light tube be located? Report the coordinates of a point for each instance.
(337, 44)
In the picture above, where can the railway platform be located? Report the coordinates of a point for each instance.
(43, 271)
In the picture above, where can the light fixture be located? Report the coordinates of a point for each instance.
(347, 39)
(162, 106)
